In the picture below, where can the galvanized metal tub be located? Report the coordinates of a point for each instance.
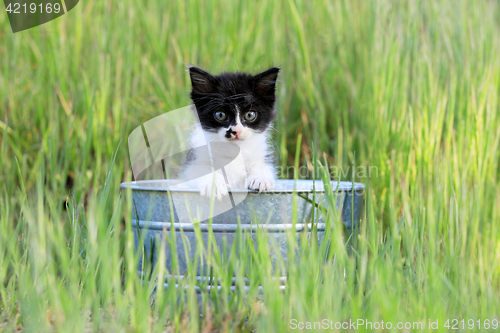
(158, 212)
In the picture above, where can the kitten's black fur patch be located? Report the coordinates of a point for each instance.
(226, 91)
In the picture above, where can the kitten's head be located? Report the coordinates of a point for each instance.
(235, 106)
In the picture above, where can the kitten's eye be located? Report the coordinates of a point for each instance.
(220, 116)
(250, 116)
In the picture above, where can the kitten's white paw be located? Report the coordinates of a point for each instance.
(216, 186)
(260, 183)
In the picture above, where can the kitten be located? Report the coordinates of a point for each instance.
(236, 108)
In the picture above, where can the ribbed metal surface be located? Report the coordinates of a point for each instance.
(271, 212)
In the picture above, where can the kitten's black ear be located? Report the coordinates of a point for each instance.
(265, 82)
(202, 81)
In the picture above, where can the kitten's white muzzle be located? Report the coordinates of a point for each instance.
(234, 133)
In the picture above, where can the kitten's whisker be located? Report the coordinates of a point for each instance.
(199, 99)
(235, 96)
(213, 107)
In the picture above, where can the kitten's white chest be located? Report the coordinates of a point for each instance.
(250, 156)
(243, 166)
(236, 173)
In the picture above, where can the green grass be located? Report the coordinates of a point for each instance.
(409, 87)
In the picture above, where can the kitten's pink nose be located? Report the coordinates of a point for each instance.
(237, 130)
(232, 134)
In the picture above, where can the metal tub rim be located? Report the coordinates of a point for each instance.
(302, 186)
(205, 227)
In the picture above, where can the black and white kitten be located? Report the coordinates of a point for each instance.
(236, 108)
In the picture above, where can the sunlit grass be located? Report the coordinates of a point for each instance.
(408, 87)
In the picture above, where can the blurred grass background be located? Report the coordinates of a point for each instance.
(408, 87)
